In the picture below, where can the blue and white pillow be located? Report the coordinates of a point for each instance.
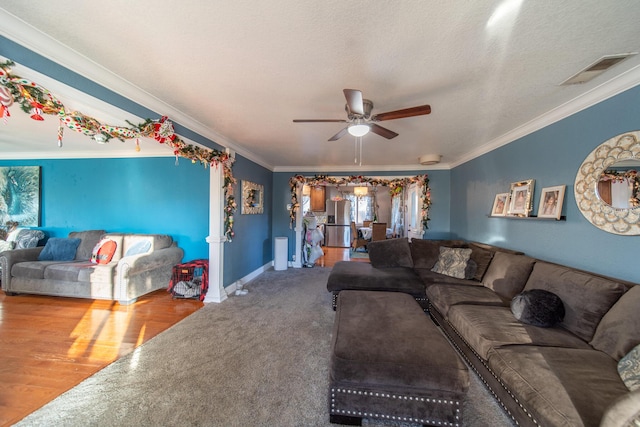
(629, 369)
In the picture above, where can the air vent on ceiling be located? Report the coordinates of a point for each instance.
(597, 68)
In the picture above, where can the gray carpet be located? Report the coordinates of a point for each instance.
(254, 360)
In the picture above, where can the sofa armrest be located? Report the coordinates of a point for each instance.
(9, 258)
(624, 412)
(135, 264)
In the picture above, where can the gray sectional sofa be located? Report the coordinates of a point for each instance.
(141, 263)
(566, 374)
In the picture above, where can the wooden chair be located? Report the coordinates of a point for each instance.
(356, 241)
(366, 223)
(378, 231)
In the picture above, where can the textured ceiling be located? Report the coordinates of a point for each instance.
(241, 71)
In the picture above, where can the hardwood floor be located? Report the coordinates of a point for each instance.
(50, 344)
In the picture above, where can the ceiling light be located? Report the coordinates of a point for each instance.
(430, 159)
(100, 138)
(358, 130)
(360, 191)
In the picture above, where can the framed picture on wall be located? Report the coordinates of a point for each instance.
(521, 198)
(20, 195)
(252, 198)
(500, 204)
(551, 200)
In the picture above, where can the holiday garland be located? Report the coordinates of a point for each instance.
(395, 186)
(35, 100)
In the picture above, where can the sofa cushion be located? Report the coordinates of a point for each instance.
(98, 273)
(59, 249)
(88, 240)
(31, 269)
(66, 271)
(561, 386)
(619, 330)
(538, 307)
(482, 257)
(363, 276)
(390, 253)
(425, 253)
(586, 297)
(429, 277)
(477, 325)
(508, 273)
(452, 262)
(629, 369)
(444, 296)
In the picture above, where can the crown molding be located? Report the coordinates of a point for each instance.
(602, 92)
(351, 169)
(42, 44)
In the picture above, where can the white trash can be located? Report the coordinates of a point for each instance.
(281, 251)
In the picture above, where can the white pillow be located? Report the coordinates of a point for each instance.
(139, 247)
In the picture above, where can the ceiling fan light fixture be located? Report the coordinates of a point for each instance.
(430, 159)
(359, 129)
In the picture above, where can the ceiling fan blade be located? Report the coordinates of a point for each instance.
(354, 101)
(400, 114)
(319, 121)
(338, 135)
(389, 134)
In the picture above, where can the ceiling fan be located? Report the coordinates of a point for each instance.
(360, 119)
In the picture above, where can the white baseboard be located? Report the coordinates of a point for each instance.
(238, 284)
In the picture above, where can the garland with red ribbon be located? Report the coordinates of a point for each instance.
(35, 100)
(395, 186)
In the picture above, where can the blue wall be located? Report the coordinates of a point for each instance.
(251, 247)
(439, 182)
(552, 157)
(142, 195)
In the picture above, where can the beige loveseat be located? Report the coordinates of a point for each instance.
(125, 278)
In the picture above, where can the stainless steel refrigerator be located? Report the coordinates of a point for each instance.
(337, 233)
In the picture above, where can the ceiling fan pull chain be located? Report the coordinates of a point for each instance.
(355, 151)
(360, 141)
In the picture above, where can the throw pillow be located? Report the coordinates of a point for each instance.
(5, 246)
(471, 269)
(452, 262)
(629, 369)
(59, 249)
(140, 247)
(28, 238)
(538, 307)
(482, 258)
(103, 252)
(390, 253)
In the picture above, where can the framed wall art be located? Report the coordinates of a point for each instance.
(521, 198)
(551, 200)
(500, 205)
(252, 198)
(20, 195)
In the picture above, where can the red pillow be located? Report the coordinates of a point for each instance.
(103, 251)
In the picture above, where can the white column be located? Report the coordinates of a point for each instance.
(216, 238)
(298, 229)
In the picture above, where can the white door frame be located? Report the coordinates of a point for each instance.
(413, 207)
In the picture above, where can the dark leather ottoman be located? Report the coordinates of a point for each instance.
(389, 361)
